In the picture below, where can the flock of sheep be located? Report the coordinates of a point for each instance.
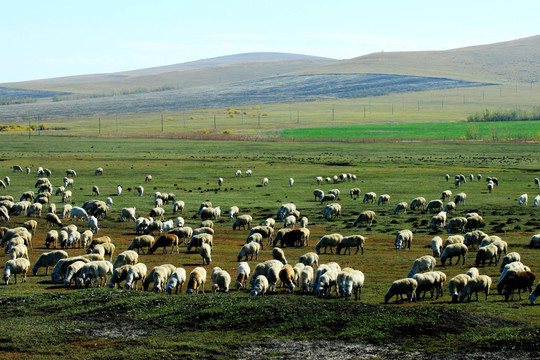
(96, 268)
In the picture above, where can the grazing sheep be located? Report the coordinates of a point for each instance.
(119, 190)
(423, 263)
(523, 200)
(128, 257)
(456, 224)
(53, 219)
(428, 281)
(242, 221)
(265, 231)
(347, 242)
(48, 259)
(59, 270)
(14, 267)
(401, 207)
(34, 209)
(242, 275)
(306, 277)
(119, 274)
(404, 239)
(304, 222)
(521, 281)
(30, 225)
(18, 251)
(176, 281)
(354, 193)
(135, 273)
(366, 218)
(309, 259)
(481, 283)
(221, 280)
(260, 286)
(285, 210)
(453, 239)
(93, 224)
(354, 281)
(536, 202)
(403, 286)
(419, 203)
(473, 272)
(535, 241)
(328, 198)
(510, 258)
(279, 255)
(369, 197)
(436, 246)
(141, 242)
(438, 221)
(340, 280)
(286, 275)
(332, 211)
(534, 294)
(73, 271)
(249, 172)
(488, 252)
(456, 285)
(196, 281)
(450, 207)
(326, 282)
(446, 194)
(148, 178)
(105, 249)
(99, 240)
(474, 238)
(321, 270)
(78, 212)
(434, 205)
(452, 250)
(251, 248)
(265, 181)
(206, 253)
(328, 241)
(164, 241)
(474, 222)
(233, 211)
(384, 199)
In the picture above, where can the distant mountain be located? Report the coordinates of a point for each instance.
(510, 61)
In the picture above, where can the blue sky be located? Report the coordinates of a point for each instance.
(44, 39)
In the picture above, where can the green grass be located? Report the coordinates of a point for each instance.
(508, 130)
(44, 320)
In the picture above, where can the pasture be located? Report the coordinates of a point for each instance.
(46, 320)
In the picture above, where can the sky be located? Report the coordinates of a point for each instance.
(47, 39)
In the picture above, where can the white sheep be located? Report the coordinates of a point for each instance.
(510, 258)
(249, 172)
(93, 224)
(304, 222)
(419, 203)
(434, 205)
(221, 280)
(18, 251)
(534, 294)
(403, 286)
(438, 221)
(340, 280)
(48, 259)
(401, 207)
(328, 241)
(160, 275)
(73, 271)
(196, 281)
(319, 179)
(354, 193)
(289, 222)
(318, 194)
(436, 246)
(14, 267)
(536, 202)
(78, 213)
(456, 285)
(34, 209)
(473, 272)
(298, 267)
(508, 270)
(59, 270)
(242, 221)
(404, 239)
(474, 238)
(306, 277)
(384, 199)
(428, 281)
(452, 250)
(366, 218)
(332, 211)
(279, 255)
(369, 197)
(535, 241)
(285, 210)
(323, 268)
(423, 263)
(260, 286)
(481, 283)
(350, 241)
(119, 190)
(128, 257)
(243, 273)
(135, 273)
(119, 274)
(265, 181)
(128, 214)
(176, 281)
(140, 190)
(233, 211)
(523, 200)
(291, 181)
(206, 253)
(446, 194)
(103, 250)
(309, 259)
(488, 252)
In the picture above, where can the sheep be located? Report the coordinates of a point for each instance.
(450, 207)
(48, 259)
(366, 218)
(20, 207)
(148, 178)
(59, 269)
(93, 224)
(510, 258)
(17, 168)
(103, 250)
(438, 221)
(446, 194)
(265, 181)
(434, 205)
(304, 222)
(510, 269)
(179, 221)
(286, 275)
(332, 211)
(404, 239)
(456, 285)
(306, 277)
(183, 233)
(474, 222)
(321, 270)
(73, 271)
(369, 197)
(488, 252)
(351, 241)
(128, 214)
(453, 239)
(423, 263)
(196, 281)
(119, 274)
(265, 231)
(406, 286)
(17, 240)
(7, 181)
(31, 226)
(157, 212)
(436, 246)
(164, 275)
(319, 180)
(384, 199)
(536, 202)
(340, 280)
(233, 211)
(354, 281)
(4, 213)
(327, 280)
(534, 294)
(331, 241)
(297, 268)
(243, 273)
(164, 241)
(520, 281)
(14, 267)
(289, 222)
(18, 251)
(135, 273)
(401, 207)
(260, 286)
(354, 193)
(452, 250)
(270, 269)
(327, 198)
(481, 283)
(456, 224)
(242, 221)
(221, 281)
(141, 242)
(489, 240)
(153, 225)
(428, 281)
(34, 209)
(285, 210)
(176, 281)
(128, 257)
(249, 172)
(198, 239)
(99, 240)
(474, 238)
(309, 259)
(27, 195)
(473, 272)
(251, 248)
(78, 212)
(206, 253)
(534, 242)
(279, 255)
(523, 200)
(419, 203)
(502, 246)
(166, 226)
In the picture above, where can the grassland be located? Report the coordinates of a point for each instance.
(45, 320)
